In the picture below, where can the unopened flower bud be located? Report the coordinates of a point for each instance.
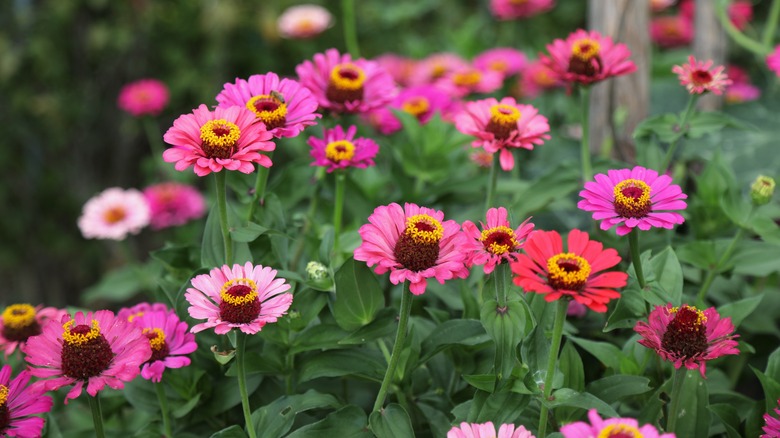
(316, 271)
(762, 190)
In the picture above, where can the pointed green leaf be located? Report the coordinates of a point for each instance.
(358, 295)
(391, 422)
(348, 422)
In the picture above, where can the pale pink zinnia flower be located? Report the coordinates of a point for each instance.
(113, 214)
(422, 101)
(464, 81)
(413, 243)
(514, 9)
(698, 78)
(172, 204)
(587, 57)
(671, 30)
(304, 21)
(633, 198)
(497, 242)
(245, 297)
(435, 67)
(399, 67)
(340, 150)
(772, 426)
(535, 78)
(19, 404)
(742, 92)
(488, 430)
(210, 141)
(143, 97)
(610, 427)
(687, 336)
(504, 60)
(19, 322)
(773, 61)
(500, 126)
(342, 84)
(284, 106)
(90, 349)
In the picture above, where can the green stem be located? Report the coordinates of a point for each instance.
(771, 25)
(338, 209)
(97, 415)
(260, 183)
(163, 400)
(223, 216)
(683, 130)
(674, 404)
(557, 334)
(633, 243)
(350, 32)
(714, 271)
(154, 137)
(309, 218)
(493, 181)
(499, 279)
(587, 168)
(735, 34)
(240, 352)
(400, 337)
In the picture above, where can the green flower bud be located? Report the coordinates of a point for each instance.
(762, 190)
(316, 271)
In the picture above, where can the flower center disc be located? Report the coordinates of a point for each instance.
(701, 77)
(417, 106)
(499, 240)
(417, 248)
(632, 198)
(346, 83)
(499, 65)
(467, 79)
(5, 418)
(240, 303)
(585, 59)
(271, 110)
(19, 323)
(620, 431)
(85, 351)
(567, 271)
(337, 151)
(503, 120)
(686, 334)
(219, 138)
(156, 339)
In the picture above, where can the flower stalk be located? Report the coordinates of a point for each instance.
(97, 415)
(223, 216)
(350, 31)
(164, 409)
(633, 243)
(674, 404)
(400, 337)
(493, 182)
(552, 359)
(683, 130)
(587, 168)
(258, 196)
(241, 370)
(338, 210)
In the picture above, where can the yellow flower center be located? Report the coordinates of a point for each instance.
(498, 65)
(467, 79)
(219, 138)
(3, 395)
(499, 240)
(585, 49)
(543, 78)
(518, 2)
(620, 431)
(503, 120)
(696, 318)
(632, 198)
(114, 215)
(230, 295)
(567, 271)
(424, 229)
(80, 334)
(18, 316)
(339, 150)
(134, 316)
(347, 77)
(416, 106)
(271, 109)
(304, 26)
(156, 338)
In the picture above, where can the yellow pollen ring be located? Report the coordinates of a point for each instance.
(158, 341)
(349, 82)
(277, 115)
(239, 301)
(416, 106)
(556, 272)
(621, 430)
(79, 338)
(585, 49)
(339, 150)
(115, 214)
(497, 248)
(504, 114)
(18, 316)
(3, 394)
(220, 133)
(701, 318)
(499, 65)
(641, 202)
(467, 79)
(424, 229)
(134, 316)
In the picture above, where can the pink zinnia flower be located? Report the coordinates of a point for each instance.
(737, 74)
(227, 138)
(422, 101)
(19, 322)
(546, 269)
(772, 427)
(464, 81)
(587, 57)
(687, 336)
(697, 77)
(143, 97)
(435, 67)
(284, 106)
(535, 78)
(343, 85)
(113, 214)
(504, 60)
(514, 9)
(497, 242)
(90, 349)
(742, 92)
(340, 150)
(671, 30)
(773, 61)
(482, 158)
(500, 126)
(167, 335)
(413, 243)
(18, 404)
(245, 297)
(304, 21)
(172, 204)
(487, 430)
(740, 13)
(399, 67)
(610, 427)
(660, 5)
(633, 198)
(576, 310)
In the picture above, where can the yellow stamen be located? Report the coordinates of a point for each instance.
(701, 318)
(568, 269)
(134, 316)
(220, 133)
(114, 215)
(585, 49)
(79, 338)
(158, 340)
(272, 117)
(621, 430)
(504, 114)
(498, 65)
(18, 316)
(347, 77)
(424, 229)
(467, 79)
(339, 150)
(496, 247)
(239, 300)
(416, 106)
(3, 394)
(629, 201)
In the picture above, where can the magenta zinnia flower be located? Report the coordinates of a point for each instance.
(19, 322)
(90, 349)
(502, 126)
(546, 269)
(413, 243)
(535, 78)
(587, 57)
(514, 9)
(698, 78)
(671, 30)
(771, 429)
(504, 60)
(467, 80)
(341, 84)
(284, 106)
(687, 336)
(422, 101)
(245, 297)
(773, 61)
(742, 92)
(435, 67)
(172, 204)
(497, 242)
(487, 430)
(304, 21)
(611, 427)
(18, 404)
(113, 214)
(633, 198)
(340, 150)
(143, 97)
(227, 138)
(399, 67)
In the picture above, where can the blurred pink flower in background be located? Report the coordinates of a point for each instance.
(742, 92)
(113, 214)
(19, 322)
(699, 77)
(773, 61)
(18, 405)
(660, 5)
(143, 97)
(422, 101)
(740, 12)
(435, 67)
(737, 74)
(172, 204)
(514, 9)
(671, 30)
(399, 67)
(534, 79)
(304, 21)
(586, 57)
(340, 150)
(464, 81)
(504, 60)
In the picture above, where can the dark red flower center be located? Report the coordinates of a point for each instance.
(219, 138)
(5, 417)
(271, 109)
(585, 59)
(567, 271)
(701, 77)
(240, 303)
(85, 351)
(498, 240)
(19, 322)
(417, 249)
(345, 84)
(632, 198)
(503, 121)
(156, 339)
(686, 334)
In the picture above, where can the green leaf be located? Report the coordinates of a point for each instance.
(120, 284)
(384, 324)
(739, 310)
(771, 389)
(630, 307)
(702, 123)
(729, 417)
(185, 408)
(612, 389)
(668, 278)
(500, 408)
(391, 422)
(507, 326)
(756, 258)
(337, 363)
(570, 365)
(212, 253)
(234, 431)
(570, 398)
(248, 233)
(223, 357)
(663, 125)
(276, 418)
(693, 420)
(701, 254)
(608, 354)
(358, 295)
(141, 395)
(347, 422)
(450, 333)
(318, 337)
(225, 393)
(557, 184)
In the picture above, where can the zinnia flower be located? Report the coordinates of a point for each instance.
(610, 427)
(143, 97)
(487, 430)
(698, 78)
(18, 404)
(502, 126)
(671, 30)
(742, 92)
(245, 297)
(113, 214)
(399, 67)
(497, 242)
(20, 321)
(535, 78)
(773, 61)
(167, 335)
(285, 107)
(339, 149)
(514, 9)
(226, 138)
(546, 269)
(771, 429)
(413, 243)
(587, 57)
(660, 5)
(422, 101)
(90, 349)
(467, 80)
(504, 60)
(687, 336)
(304, 21)
(172, 204)
(633, 198)
(343, 85)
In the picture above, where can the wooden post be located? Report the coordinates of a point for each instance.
(709, 42)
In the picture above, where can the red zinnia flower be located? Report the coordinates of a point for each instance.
(698, 78)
